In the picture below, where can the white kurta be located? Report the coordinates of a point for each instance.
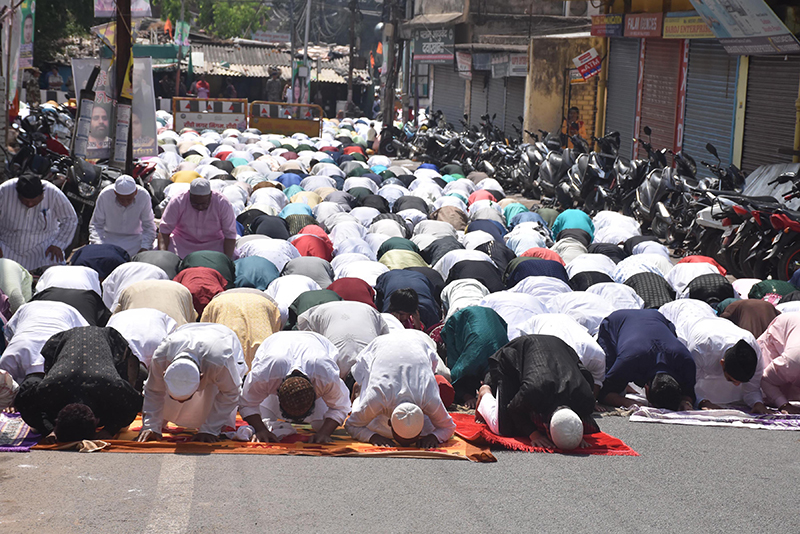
(70, 277)
(276, 358)
(682, 274)
(277, 251)
(460, 294)
(285, 289)
(573, 334)
(129, 227)
(349, 325)
(622, 297)
(587, 309)
(708, 341)
(219, 354)
(393, 369)
(144, 329)
(126, 275)
(29, 329)
(514, 308)
(684, 313)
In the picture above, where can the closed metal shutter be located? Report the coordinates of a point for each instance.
(623, 71)
(496, 99)
(448, 94)
(710, 103)
(515, 103)
(662, 58)
(477, 105)
(769, 119)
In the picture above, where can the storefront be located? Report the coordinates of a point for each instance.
(623, 72)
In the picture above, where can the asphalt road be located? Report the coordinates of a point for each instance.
(687, 479)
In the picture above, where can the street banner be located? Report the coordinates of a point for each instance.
(271, 37)
(747, 27)
(686, 26)
(108, 8)
(11, 40)
(500, 65)
(102, 113)
(588, 64)
(209, 113)
(434, 46)
(607, 25)
(182, 33)
(643, 25)
(28, 16)
(143, 110)
(518, 65)
(464, 65)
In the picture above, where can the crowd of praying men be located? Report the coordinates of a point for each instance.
(296, 280)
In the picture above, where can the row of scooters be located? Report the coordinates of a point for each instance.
(752, 237)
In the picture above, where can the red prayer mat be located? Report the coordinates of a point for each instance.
(177, 440)
(599, 444)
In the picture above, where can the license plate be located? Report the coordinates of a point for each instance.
(79, 198)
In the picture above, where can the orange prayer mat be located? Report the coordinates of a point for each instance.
(177, 441)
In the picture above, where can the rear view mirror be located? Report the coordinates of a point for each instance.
(647, 131)
(712, 150)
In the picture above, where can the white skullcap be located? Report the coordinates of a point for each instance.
(566, 429)
(200, 186)
(125, 185)
(182, 378)
(407, 420)
(8, 389)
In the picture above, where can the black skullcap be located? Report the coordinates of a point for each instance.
(29, 186)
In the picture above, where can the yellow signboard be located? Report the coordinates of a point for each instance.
(286, 119)
(686, 28)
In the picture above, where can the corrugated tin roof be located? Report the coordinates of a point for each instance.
(256, 61)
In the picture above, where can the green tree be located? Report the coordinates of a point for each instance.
(222, 18)
(57, 20)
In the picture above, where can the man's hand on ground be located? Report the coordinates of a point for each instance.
(428, 442)
(204, 437)
(148, 435)
(55, 252)
(380, 441)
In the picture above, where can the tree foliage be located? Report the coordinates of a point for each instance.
(222, 18)
(56, 20)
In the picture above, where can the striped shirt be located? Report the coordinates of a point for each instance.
(26, 233)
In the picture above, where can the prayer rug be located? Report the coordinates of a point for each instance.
(177, 440)
(726, 417)
(15, 435)
(600, 443)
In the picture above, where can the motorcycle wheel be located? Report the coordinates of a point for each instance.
(747, 268)
(710, 245)
(659, 228)
(731, 262)
(790, 262)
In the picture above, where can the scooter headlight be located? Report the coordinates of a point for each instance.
(86, 190)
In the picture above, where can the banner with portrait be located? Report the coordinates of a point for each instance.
(27, 14)
(143, 112)
(99, 146)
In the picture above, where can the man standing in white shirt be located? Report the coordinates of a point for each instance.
(399, 399)
(123, 216)
(194, 381)
(296, 374)
(729, 365)
(37, 222)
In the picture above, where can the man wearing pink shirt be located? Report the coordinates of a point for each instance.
(199, 219)
(780, 348)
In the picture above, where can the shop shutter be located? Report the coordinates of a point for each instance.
(515, 103)
(710, 103)
(623, 70)
(662, 59)
(477, 105)
(448, 94)
(769, 119)
(496, 99)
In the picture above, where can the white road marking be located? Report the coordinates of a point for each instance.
(172, 502)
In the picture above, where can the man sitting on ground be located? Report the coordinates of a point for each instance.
(641, 347)
(537, 387)
(399, 396)
(296, 374)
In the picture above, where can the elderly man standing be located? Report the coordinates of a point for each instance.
(194, 381)
(199, 219)
(123, 216)
(37, 222)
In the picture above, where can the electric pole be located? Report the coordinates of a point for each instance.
(124, 52)
(353, 7)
